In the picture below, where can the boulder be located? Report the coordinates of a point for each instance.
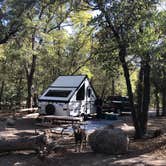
(10, 122)
(109, 141)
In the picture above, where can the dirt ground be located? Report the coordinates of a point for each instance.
(148, 151)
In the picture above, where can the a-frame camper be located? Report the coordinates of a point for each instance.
(68, 96)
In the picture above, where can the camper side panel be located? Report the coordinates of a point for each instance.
(82, 103)
(60, 109)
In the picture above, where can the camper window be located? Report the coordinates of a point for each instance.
(81, 93)
(58, 93)
(88, 92)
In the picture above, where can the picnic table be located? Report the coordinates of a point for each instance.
(51, 120)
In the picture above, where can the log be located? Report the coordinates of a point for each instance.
(22, 143)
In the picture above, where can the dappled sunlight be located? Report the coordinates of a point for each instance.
(149, 123)
(18, 164)
(106, 61)
(141, 160)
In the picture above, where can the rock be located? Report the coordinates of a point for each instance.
(109, 141)
(2, 125)
(10, 122)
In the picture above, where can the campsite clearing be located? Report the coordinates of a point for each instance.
(149, 151)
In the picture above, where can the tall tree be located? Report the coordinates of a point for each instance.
(39, 23)
(158, 76)
(120, 19)
(12, 13)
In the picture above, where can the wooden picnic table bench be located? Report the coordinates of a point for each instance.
(58, 120)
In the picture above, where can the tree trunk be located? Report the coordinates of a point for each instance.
(19, 92)
(143, 94)
(30, 76)
(23, 143)
(140, 93)
(164, 93)
(113, 87)
(157, 102)
(122, 55)
(29, 98)
(30, 70)
(103, 91)
(146, 93)
(164, 102)
(1, 92)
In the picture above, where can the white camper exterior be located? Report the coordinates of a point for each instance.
(68, 96)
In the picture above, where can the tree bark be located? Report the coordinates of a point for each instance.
(22, 143)
(143, 93)
(164, 102)
(164, 93)
(157, 102)
(146, 93)
(122, 55)
(30, 70)
(103, 92)
(1, 92)
(113, 87)
(140, 92)
(30, 76)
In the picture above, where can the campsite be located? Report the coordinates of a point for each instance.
(149, 152)
(82, 82)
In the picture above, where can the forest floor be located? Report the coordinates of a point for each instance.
(148, 151)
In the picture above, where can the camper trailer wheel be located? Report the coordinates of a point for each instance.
(85, 117)
(50, 109)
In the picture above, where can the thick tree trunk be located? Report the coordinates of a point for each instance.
(146, 93)
(140, 93)
(122, 55)
(143, 94)
(22, 143)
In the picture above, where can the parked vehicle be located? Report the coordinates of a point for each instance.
(68, 96)
(117, 104)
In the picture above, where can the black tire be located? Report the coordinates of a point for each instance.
(50, 109)
(118, 111)
(85, 117)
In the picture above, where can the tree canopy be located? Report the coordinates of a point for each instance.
(120, 45)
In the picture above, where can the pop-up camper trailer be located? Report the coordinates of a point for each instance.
(68, 96)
